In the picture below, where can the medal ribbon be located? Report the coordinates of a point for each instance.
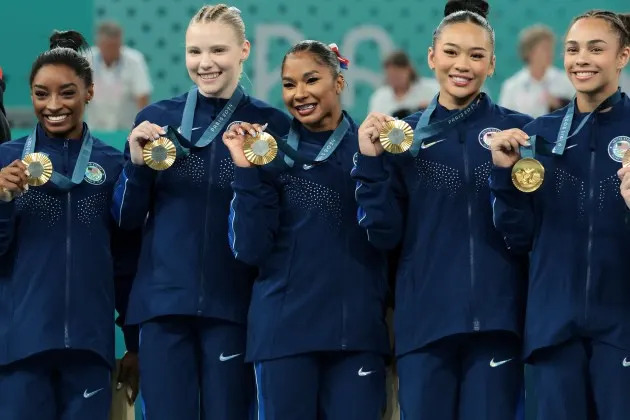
(59, 180)
(563, 133)
(528, 151)
(216, 126)
(424, 130)
(290, 148)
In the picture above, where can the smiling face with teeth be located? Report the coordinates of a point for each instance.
(593, 59)
(59, 96)
(214, 57)
(462, 58)
(311, 91)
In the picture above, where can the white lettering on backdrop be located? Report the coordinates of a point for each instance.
(265, 77)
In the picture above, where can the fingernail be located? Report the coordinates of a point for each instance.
(253, 132)
(264, 127)
(156, 136)
(241, 132)
(118, 386)
(527, 144)
(27, 172)
(25, 187)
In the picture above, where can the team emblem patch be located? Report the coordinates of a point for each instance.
(485, 135)
(618, 147)
(94, 174)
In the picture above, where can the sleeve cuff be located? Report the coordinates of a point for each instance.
(247, 177)
(501, 179)
(141, 174)
(370, 164)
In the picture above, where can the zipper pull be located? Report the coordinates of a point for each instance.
(65, 156)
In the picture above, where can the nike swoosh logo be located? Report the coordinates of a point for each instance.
(230, 357)
(87, 394)
(625, 363)
(195, 128)
(496, 364)
(365, 373)
(433, 143)
(570, 146)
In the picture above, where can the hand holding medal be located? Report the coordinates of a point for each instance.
(515, 149)
(13, 180)
(148, 147)
(370, 140)
(504, 146)
(249, 145)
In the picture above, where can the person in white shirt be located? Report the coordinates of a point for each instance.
(121, 81)
(538, 88)
(404, 92)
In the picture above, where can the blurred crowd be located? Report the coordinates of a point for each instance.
(123, 85)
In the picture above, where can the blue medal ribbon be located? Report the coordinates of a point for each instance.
(290, 148)
(563, 133)
(529, 151)
(57, 179)
(424, 130)
(216, 126)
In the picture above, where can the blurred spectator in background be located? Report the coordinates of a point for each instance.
(5, 133)
(121, 81)
(538, 88)
(404, 92)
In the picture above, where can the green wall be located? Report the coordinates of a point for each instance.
(24, 31)
(365, 31)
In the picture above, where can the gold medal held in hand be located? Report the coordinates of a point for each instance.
(39, 167)
(528, 175)
(159, 154)
(396, 137)
(626, 159)
(260, 149)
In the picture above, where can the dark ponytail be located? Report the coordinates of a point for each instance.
(460, 11)
(66, 48)
(480, 7)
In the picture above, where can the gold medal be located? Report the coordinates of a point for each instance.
(39, 167)
(626, 159)
(261, 149)
(528, 175)
(397, 136)
(159, 154)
